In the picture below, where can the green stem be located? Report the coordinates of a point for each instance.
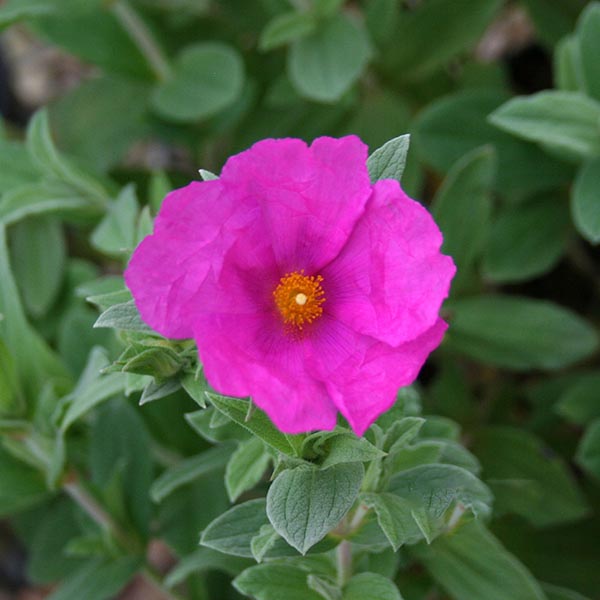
(143, 38)
(99, 515)
(343, 555)
(95, 510)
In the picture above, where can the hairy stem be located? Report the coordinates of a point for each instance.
(344, 562)
(143, 38)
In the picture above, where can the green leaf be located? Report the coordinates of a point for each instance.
(116, 233)
(566, 121)
(258, 423)
(347, 448)
(46, 156)
(553, 19)
(420, 453)
(381, 19)
(462, 209)
(233, 531)
(401, 433)
(35, 363)
(38, 256)
(201, 422)
(113, 108)
(456, 124)
(579, 403)
(120, 461)
(18, 10)
(305, 503)
(207, 175)
(395, 517)
(324, 65)
(47, 560)
(16, 166)
(10, 395)
(554, 592)
(388, 162)
(207, 78)
(204, 559)
(588, 36)
(188, 470)
(96, 37)
(157, 389)
(516, 455)
(91, 389)
(286, 28)
(124, 316)
(588, 452)
(325, 587)
(196, 386)
(160, 185)
(434, 32)
(527, 240)
(585, 204)
(471, 564)
(567, 65)
(263, 541)
(435, 488)
(21, 488)
(274, 582)
(99, 579)
(47, 198)
(159, 361)
(519, 333)
(246, 467)
(370, 586)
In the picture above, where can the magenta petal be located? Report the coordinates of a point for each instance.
(193, 230)
(390, 279)
(310, 197)
(250, 355)
(364, 388)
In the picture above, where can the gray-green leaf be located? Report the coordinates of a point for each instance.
(305, 503)
(388, 162)
(189, 470)
(585, 201)
(566, 121)
(246, 467)
(471, 564)
(323, 65)
(208, 77)
(519, 333)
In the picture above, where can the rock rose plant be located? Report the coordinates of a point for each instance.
(305, 286)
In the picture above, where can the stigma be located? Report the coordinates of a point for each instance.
(298, 298)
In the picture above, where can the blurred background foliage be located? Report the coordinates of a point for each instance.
(108, 104)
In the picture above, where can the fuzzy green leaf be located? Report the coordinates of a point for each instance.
(246, 467)
(519, 333)
(189, 470)
(305, 503)
(566, 121)
(208, 77)
(274, 582)
(370, 586)
(471, 564)
(323, 65)
(388, 162)
(585, 202)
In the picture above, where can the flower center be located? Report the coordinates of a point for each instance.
(298, 298)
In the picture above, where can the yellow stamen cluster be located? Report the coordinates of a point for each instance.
(298, 298)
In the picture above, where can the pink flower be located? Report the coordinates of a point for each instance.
(304, 286)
